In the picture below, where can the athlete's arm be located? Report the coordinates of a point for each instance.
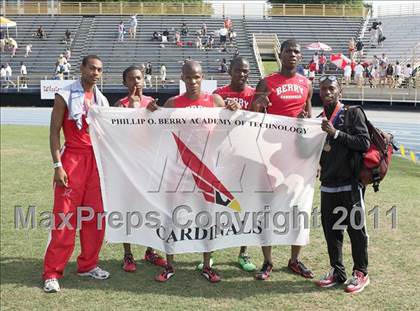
(170, 103)
(307, 110)
(57, 116)
(260, 100)
(117, 103)
(218, 100)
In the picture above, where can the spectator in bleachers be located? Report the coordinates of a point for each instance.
(59, 71)
(156, 36)
(383, 60)
(353, 68)
(373, 36)
(397, 74)
(23, 76)
(315, 59)
(408, 72)
(148, 71)
(347, 74)
(61, 60)
(375, 61)
(322, 63)
(204, 29)
(165, 34)
(223, 66)
(163, 74)
(231, 36)
(358, 74)
(223, 32)
(184, 29)
(40, 33)
(13, 47)
(312, 70)
(66, 71)
(210, 42)
(380, 35)
(382, 74)
(133, 26)
(67, 54)
(143, 74)
(198, 42)
(3, 75)
(390, 75)
(121, 31)
(28, 50)
(359, 49)
(67, 37)
(351, 48)
(9, 75)
(228, 24)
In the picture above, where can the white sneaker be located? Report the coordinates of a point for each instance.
(51, 286)
(96, 273)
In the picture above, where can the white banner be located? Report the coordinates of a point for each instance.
(50, 87)
(195, 180)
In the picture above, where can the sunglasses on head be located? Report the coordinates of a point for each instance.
(330, 78)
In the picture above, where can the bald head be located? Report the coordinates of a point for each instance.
(192, 75)
(191, 67)
(238, 62)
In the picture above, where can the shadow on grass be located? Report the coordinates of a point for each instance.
(187, 282)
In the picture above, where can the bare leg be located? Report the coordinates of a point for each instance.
(206, 259)
(242, 250)
(295, 251)
(267, 254)
(127, 248)
(170, 259)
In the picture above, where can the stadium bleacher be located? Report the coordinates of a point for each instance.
(98, 35)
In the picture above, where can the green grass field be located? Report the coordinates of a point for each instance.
(26, 179)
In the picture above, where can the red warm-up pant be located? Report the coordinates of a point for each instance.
(83, 190)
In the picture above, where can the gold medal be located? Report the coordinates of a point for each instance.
(327, 147)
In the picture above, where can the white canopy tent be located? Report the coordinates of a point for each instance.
(6, 24)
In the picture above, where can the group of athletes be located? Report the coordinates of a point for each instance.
(76, 179)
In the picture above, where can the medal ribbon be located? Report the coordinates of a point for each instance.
(337, 111)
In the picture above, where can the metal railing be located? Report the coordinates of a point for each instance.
(258, 56)
(167, 8)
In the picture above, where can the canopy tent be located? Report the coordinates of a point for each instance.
(7, 23)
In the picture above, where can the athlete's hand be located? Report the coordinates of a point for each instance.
(303, 114)
(60, 177)
(262, 103)
(134, 98)
(152, 106)
(328, 127)
(232, 105)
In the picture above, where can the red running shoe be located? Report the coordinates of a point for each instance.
(358, 282)
(129, 265)
(155, 259)
(165, 275)
(265, 271)
(329, 280)
(210, 275)
(299, 268)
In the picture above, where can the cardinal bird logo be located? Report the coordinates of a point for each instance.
(212, 188)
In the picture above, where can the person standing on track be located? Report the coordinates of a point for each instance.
(77, 192)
